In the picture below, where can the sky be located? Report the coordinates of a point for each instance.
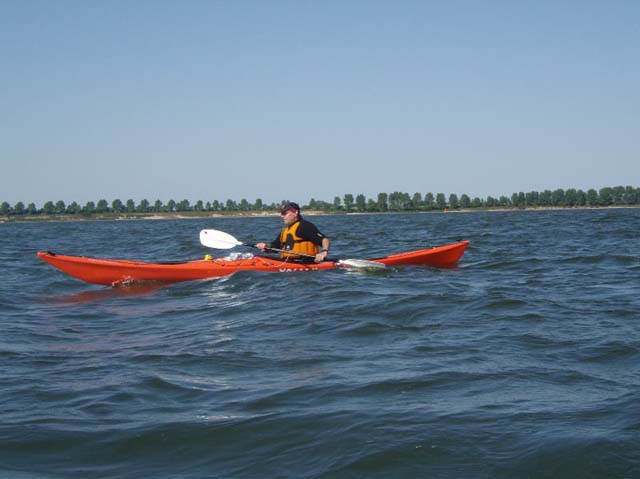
(216, 100)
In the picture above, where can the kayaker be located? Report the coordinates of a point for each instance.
(298, 236)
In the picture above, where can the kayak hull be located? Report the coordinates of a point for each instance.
(117, 272)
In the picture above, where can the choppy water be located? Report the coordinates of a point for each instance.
(522, 362)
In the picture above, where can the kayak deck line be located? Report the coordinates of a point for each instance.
(119, 260)
(116, 272)
(222, 263)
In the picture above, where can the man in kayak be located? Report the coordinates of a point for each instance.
(299, 238)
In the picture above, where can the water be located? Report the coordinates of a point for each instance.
(521, 362)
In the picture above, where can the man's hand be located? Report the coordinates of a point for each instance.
(321, 256)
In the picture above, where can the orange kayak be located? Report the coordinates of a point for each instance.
(117, 272)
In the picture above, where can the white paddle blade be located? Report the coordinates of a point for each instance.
(361, 263)
(218, 239)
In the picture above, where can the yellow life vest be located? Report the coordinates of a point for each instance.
(290, 241)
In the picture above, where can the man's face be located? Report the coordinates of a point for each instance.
(289, 217)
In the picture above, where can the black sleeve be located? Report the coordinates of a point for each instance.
(276, 243)
(310, 232)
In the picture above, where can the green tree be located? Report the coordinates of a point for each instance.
(592, 197)
(570, 197)
(117, 206)
(157, 206)
(465, 201)
(231, 205)
(199, 206)
(244, 205)
(131, 206)
(545, 198)
(606, 196)
(183, 206)
(531, 198)
(429, 201)
(324, 206)
(348, 202)
(143, 207)
(618, 195)
(258, 206)
(453, 201)
(518, 200)
(372, 205)
(60, 207)
(383, 204)
(557, 197)
(31, 209)
(399, 201)
(48, 208)
(336, 203)
(73, 209)
(394, 201)
(361, 203)
(102, 206)
(19, 208)
(171, 206)
(417, 200)
(5, 208)
(630, 196)
(405, 201)
(89, 208)
(441, 201)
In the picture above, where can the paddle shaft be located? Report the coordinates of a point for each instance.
(221, 240)
(353, 263)
(284, 251)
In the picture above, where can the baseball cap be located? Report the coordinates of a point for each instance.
(289, 206)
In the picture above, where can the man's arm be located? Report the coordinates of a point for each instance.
(324, 252)
(310, 232)
(274, 244)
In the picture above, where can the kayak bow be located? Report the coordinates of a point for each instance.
(117, 272)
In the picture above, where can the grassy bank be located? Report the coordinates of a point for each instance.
(244, 214)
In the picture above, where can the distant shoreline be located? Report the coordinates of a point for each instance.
(259, 214)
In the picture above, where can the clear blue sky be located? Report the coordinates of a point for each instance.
(299, 99)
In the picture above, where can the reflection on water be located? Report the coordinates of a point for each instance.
(224, 292)
(106, 294)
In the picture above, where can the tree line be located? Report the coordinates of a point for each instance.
(396, 201)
